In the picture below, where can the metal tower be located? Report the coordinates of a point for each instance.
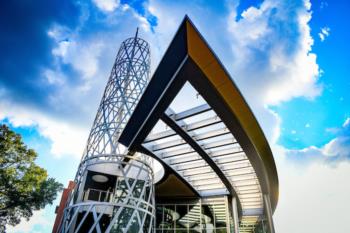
(114, 191)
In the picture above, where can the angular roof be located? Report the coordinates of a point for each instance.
(214, 148)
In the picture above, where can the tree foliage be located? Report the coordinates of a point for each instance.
(24, 186)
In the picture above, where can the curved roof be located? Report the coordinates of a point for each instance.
(216, 147)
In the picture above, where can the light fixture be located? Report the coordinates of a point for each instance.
(100, 178)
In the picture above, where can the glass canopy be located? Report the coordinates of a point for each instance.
(190, 112)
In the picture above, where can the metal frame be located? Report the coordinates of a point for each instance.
(184, 62)
(127, 82)
(189, 140)
(269, 213)
(145, 201)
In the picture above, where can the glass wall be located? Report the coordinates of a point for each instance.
(261, 227)
(205, 216)
(253, 224)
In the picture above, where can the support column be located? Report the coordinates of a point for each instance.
(227, 213)
(235, 215)
(268, 212)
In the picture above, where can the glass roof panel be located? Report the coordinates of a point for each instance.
(186, 99)
(159, 127)
(201, 116)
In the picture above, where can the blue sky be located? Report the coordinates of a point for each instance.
(332, 107)
(290, 59)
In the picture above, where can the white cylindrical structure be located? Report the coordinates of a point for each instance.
(114, 190)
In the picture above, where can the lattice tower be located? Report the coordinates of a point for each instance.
(131, 205)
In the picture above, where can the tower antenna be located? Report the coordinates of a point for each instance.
(137, 32)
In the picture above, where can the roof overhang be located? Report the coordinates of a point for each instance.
(189, 59)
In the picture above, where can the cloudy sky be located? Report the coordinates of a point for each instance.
(290, 58)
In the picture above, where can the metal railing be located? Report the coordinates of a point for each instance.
(98, 195)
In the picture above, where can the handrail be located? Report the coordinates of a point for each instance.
(102, 195)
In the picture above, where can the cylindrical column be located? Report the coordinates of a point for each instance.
(128, 179)
(235, 215)
(268, 212)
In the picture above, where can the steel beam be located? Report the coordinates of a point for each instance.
(191, 112)
(229, 151)
(176, 152)
(253, 212)
(170, 144)
(206, 135)
(214, 192)
(189, 127)
(235, 215)
(183, 159)
(268, 212)
(160, 135)
(218, 185)
(206, 146)
(219, 143)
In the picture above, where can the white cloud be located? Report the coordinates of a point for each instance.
(313, 198)
(72, 106)
(314, 187)
(208, 21)
(107, 5)
(83, 56)
(54, 77)
(346, 123)
(272, 52)
(66, 139)
(143, 22)
(324, 33)
(337, 149)
(272, 60)
(38, 219)
(92, 54)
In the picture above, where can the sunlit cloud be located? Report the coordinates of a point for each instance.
(107, 5)
(324, 33)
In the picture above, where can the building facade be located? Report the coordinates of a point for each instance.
(180, 152)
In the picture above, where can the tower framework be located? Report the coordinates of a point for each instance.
(114, 190)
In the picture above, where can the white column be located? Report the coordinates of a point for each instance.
(235, 214)
(268, 212)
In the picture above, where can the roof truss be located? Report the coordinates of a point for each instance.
(189, 59)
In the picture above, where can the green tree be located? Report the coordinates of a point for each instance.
(24, 186)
